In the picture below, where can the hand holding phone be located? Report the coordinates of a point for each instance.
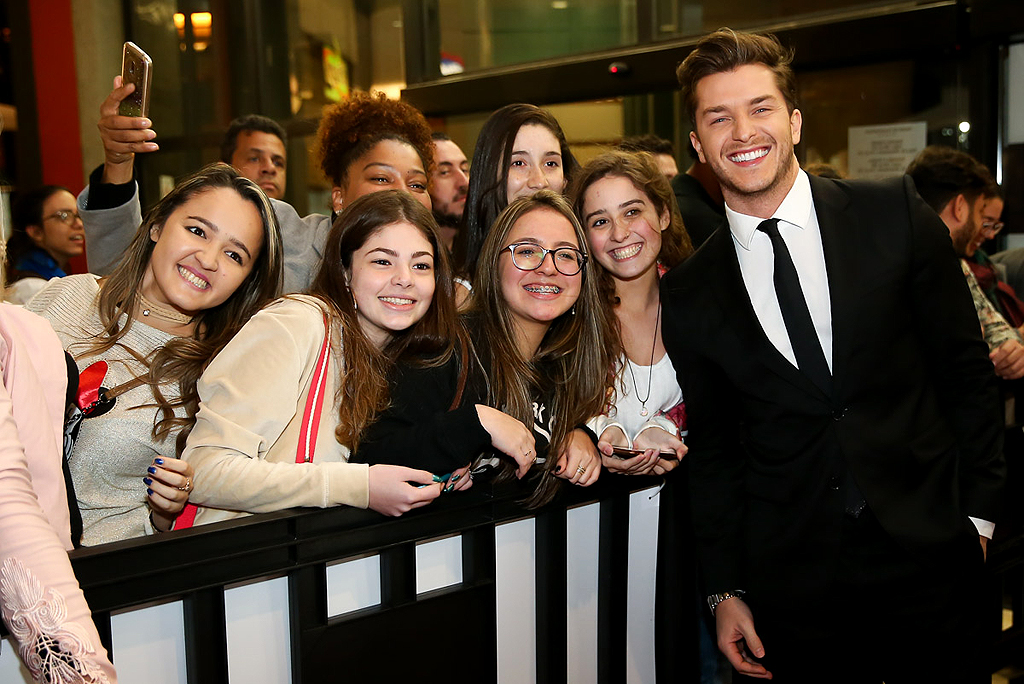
(624, 453)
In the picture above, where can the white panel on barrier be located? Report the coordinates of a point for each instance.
(583, 534)
(11, 669)
(438, 563)
(149, 644)
(259, 645)
(1015, 95)
(515, 556)
(643, 562)
(353, 585)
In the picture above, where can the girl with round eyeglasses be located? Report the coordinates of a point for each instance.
(515, 400)
(47, 233)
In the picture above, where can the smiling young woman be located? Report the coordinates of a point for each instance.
(47, 233)
(514, 400)
(207, 257)
(634, 230)
(521, 149)
(384, 289)
(365, 144)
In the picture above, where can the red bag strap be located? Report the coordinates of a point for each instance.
(314, 402)
(310, 422)
(187, 517)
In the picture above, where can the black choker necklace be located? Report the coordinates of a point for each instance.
(650, 377)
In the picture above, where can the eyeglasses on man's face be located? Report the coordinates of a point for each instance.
(528, 256)
(991, 229)
(66, 217)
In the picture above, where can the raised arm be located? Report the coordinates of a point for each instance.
(109, 205)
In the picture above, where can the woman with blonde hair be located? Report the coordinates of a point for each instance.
(206, 258)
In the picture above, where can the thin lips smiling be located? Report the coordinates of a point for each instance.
(193, 278)
(748, 155)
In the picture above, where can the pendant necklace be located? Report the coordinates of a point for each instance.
(163, 313)
(650, 377)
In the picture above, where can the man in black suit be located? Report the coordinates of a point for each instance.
(845, 430)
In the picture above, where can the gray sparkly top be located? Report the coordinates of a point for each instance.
(114, 449)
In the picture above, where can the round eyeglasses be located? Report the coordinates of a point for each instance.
(528, 256)
(67, 217)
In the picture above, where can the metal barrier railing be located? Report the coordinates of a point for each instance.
(407, 631)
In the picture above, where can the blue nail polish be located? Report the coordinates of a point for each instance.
(442, 478)
(151, 470)
(159, 461)
(149, 492)
(147, 480)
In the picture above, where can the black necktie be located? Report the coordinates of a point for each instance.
(802, 335)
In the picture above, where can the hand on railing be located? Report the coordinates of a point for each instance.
(580, 461)
(658, 440)
(395, 490)
(509, 436)
(168, 484)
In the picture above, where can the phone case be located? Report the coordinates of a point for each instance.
(137, 68)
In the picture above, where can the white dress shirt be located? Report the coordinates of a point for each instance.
(798, 225)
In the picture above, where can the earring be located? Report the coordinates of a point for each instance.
(572, 311)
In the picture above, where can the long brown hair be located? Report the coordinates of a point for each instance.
(488, 183)
(363, 392)
(574, 353)
(183, 359)
(642, 171)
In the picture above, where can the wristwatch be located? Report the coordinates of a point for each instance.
(715, 599)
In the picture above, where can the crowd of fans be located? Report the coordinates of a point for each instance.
(443, 322)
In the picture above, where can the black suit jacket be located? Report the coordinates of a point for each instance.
(913, 417)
